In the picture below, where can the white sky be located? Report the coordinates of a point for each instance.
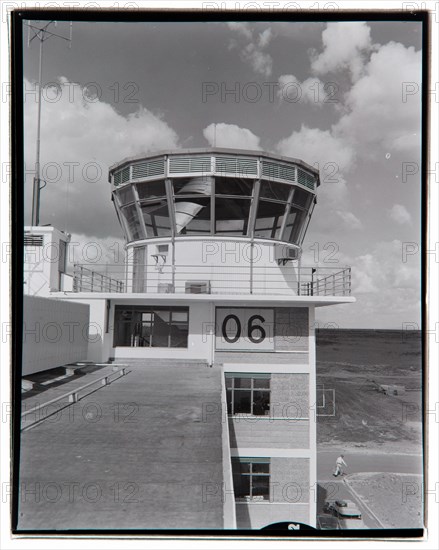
(352, 118)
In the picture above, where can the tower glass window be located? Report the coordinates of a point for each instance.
(302, 198)
(192, 205)
(294, 224)
(211, 195)
(234, 186)
(125, 195)
(156, 218)
(231, 216)
(151, 189)
(269, 219)
(275, 191)
(133, 224)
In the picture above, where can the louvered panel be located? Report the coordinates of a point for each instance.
(125, 174)
(187, 165)
(117, 178)
(33, 240)
(148, 169)
(237, 165)
(306, 179)
(275, 170)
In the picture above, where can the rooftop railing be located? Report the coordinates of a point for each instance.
(213, 279)
(87, 280)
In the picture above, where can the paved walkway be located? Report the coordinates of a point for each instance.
(140, 453)
(331, 488)
(368, 462)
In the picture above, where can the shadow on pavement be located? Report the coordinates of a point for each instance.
(42, 382)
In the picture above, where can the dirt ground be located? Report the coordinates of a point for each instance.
(352, 363)
(396, 499)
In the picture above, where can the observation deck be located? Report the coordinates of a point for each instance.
(220, 280)
(213, 221)
(217, 192)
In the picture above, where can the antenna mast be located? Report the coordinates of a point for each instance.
(42, 34)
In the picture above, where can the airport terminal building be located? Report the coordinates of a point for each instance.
(212, 275)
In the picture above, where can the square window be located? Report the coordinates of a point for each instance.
(251, 480)
(248, 395)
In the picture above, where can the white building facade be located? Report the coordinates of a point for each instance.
(213, 273)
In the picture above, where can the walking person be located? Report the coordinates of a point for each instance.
(339, 463)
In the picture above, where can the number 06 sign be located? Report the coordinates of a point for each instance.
(244, 329)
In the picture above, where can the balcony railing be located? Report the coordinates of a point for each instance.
(87, 280)
(213, 279)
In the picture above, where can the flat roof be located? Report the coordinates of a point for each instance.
(143, 444)
(219, 299)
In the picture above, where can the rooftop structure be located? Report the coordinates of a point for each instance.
(213, 274)
(217, 221)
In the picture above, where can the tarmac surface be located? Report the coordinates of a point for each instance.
(140, 453)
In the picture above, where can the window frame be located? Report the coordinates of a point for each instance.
(137, 324)
(237, 462)
(252, 389)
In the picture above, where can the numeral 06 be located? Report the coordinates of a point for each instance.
(251, 329)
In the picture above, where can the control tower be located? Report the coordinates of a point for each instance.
(213, 276)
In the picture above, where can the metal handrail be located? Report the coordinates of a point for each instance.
(73, 396)
(83, 277)
(219, 279)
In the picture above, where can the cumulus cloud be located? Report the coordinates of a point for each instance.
(345, 45)
(253, 52)
(241, 28)
(265, 38)
(380, 112)
(317, 147)
(261, 62)
(311, 90)
(376, 118)
(231, 135)
(383, 266)
(81, 137)
(378, 115)
(84, 249)
(349, 219)
(400, 214)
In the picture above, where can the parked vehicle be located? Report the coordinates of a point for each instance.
(327, 521)
(342, 509)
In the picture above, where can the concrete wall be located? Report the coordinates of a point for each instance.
(100, 341)
(287, 434)
(289, 336)
(287, 425)
(289, 496)
(291, 329)
(251, 357)
(289, 395)
(41, 264)
(289, 480)
(268, 433)
(55, 332)
(225, 261)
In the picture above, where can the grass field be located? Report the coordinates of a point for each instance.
(348, 361)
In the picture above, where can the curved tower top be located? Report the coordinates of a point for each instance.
(214, 192)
